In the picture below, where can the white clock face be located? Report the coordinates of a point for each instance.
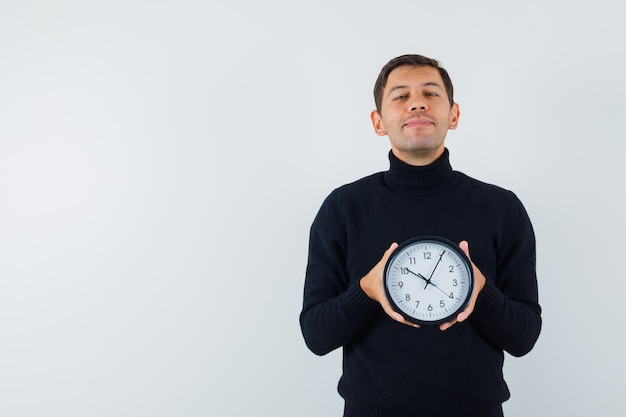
(428, 280)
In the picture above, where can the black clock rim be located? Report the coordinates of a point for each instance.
(451, 245)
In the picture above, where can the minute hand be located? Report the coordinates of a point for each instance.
(436, 265)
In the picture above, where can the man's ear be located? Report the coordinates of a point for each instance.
(455, 113)
(377, 122)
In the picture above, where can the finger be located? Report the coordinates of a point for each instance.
(465, 313)
(383, 261)
(391, 312)
(465, 248)
(469, 309)
(388, 252)
(447, 325)
(408, 323)
(397, 316)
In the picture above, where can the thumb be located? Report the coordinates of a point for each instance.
(389, 251)
(465, 248)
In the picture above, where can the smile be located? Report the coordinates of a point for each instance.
(418, 122)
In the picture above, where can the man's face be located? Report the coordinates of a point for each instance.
(415, 114)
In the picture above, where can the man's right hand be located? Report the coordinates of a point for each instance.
(372, 285)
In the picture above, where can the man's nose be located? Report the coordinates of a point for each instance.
(418, 105)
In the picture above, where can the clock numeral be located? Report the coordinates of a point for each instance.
(455, 283)
(417, 304)
(451, 268)
(412, 261)
(442, 304)
(430, 307)
(407, 297)
(427, 255)
(451, 295)
(400, 284)
(404, 271)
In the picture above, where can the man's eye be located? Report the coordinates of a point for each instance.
(399, 97)
(431, 94)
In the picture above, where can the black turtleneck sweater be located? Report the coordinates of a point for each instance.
(391, 369)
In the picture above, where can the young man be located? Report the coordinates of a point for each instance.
(392, 368)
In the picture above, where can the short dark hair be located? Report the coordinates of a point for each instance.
(412, 60)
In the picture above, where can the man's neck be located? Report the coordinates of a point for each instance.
(417, 158)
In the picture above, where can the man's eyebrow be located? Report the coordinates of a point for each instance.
(406, 87)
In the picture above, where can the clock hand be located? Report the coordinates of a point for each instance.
(428, 281)
(421, 276)
(418, 275)
(436, 265)
(435, 285)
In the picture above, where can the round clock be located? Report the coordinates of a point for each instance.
(429, 280)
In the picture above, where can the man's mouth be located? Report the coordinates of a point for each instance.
(417, 122)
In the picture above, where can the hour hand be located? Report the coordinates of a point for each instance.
(417, 275)
(428, 281)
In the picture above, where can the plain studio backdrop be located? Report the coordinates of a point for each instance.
(161, 163)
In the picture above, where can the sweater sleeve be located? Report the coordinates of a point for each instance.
(335, 308)
(507, 311)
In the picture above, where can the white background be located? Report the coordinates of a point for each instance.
(161, 163)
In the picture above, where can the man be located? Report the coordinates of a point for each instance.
(390, 367)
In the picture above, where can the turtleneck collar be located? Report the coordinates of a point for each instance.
(419, 179)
